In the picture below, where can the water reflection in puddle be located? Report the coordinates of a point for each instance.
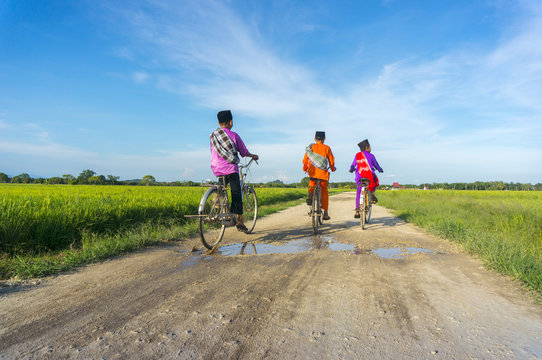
(297, 246)
(291, 247)
(248, 248)
(399, 253)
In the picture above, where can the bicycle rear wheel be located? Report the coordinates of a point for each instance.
(250, 208)
(212, 205)
(362, 208)
(315, 211)
(320, 212)
(369, 209)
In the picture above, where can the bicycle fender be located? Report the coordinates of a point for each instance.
(201, 203)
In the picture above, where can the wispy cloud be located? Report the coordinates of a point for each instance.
(48, 150)
(448, 113)
(140, 77)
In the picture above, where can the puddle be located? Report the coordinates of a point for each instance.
(298, 246)
(399, 253)
(290, 247)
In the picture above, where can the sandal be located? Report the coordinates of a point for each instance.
(242, 228)
(326, 217)
(356, 215)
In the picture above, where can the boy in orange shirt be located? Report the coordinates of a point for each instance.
(317, 160)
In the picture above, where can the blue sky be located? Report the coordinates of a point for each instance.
(445, 91)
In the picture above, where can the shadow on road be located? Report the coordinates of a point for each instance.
(387, 221)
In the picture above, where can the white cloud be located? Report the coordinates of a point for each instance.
(188, 173)
(140, 77)
(47, 150)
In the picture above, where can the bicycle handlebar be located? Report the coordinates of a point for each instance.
(249, 163)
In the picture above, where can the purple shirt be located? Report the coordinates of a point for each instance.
(372, 163)
(220, 166)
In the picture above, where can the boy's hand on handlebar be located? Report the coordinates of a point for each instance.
(254, 157)
(333, 168)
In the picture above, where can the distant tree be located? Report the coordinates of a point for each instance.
(304, 182)
(111, 179)
(84, 176)
(25, 178)
(148, 180)
(21, 179)
(55, 180)
(97, 180)
(4, 178)
(68, 178)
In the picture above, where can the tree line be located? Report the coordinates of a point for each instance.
(86, 177)
(477, 185)
(89, 177)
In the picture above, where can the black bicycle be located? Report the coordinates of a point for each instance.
(214, 209)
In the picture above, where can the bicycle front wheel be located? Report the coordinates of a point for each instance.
(315, 211)
(250, 208)
(211, 207)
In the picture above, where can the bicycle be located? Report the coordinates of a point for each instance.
(365, 205)
(315, 210)
(214, 209)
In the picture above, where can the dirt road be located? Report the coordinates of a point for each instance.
(344, 294)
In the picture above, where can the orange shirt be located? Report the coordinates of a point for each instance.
(313, 171)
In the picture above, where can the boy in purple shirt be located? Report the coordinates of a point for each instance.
(225, 147)
(366, 165)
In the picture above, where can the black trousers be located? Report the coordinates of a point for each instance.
(236, 196)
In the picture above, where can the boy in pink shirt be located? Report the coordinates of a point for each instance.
(226, 145)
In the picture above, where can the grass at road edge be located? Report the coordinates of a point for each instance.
(97, 248)
(503, 229)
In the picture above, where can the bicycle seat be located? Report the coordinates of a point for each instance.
(315, 179)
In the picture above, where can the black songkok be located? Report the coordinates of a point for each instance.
(362, 145)
(224, 116)
(320, 135)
